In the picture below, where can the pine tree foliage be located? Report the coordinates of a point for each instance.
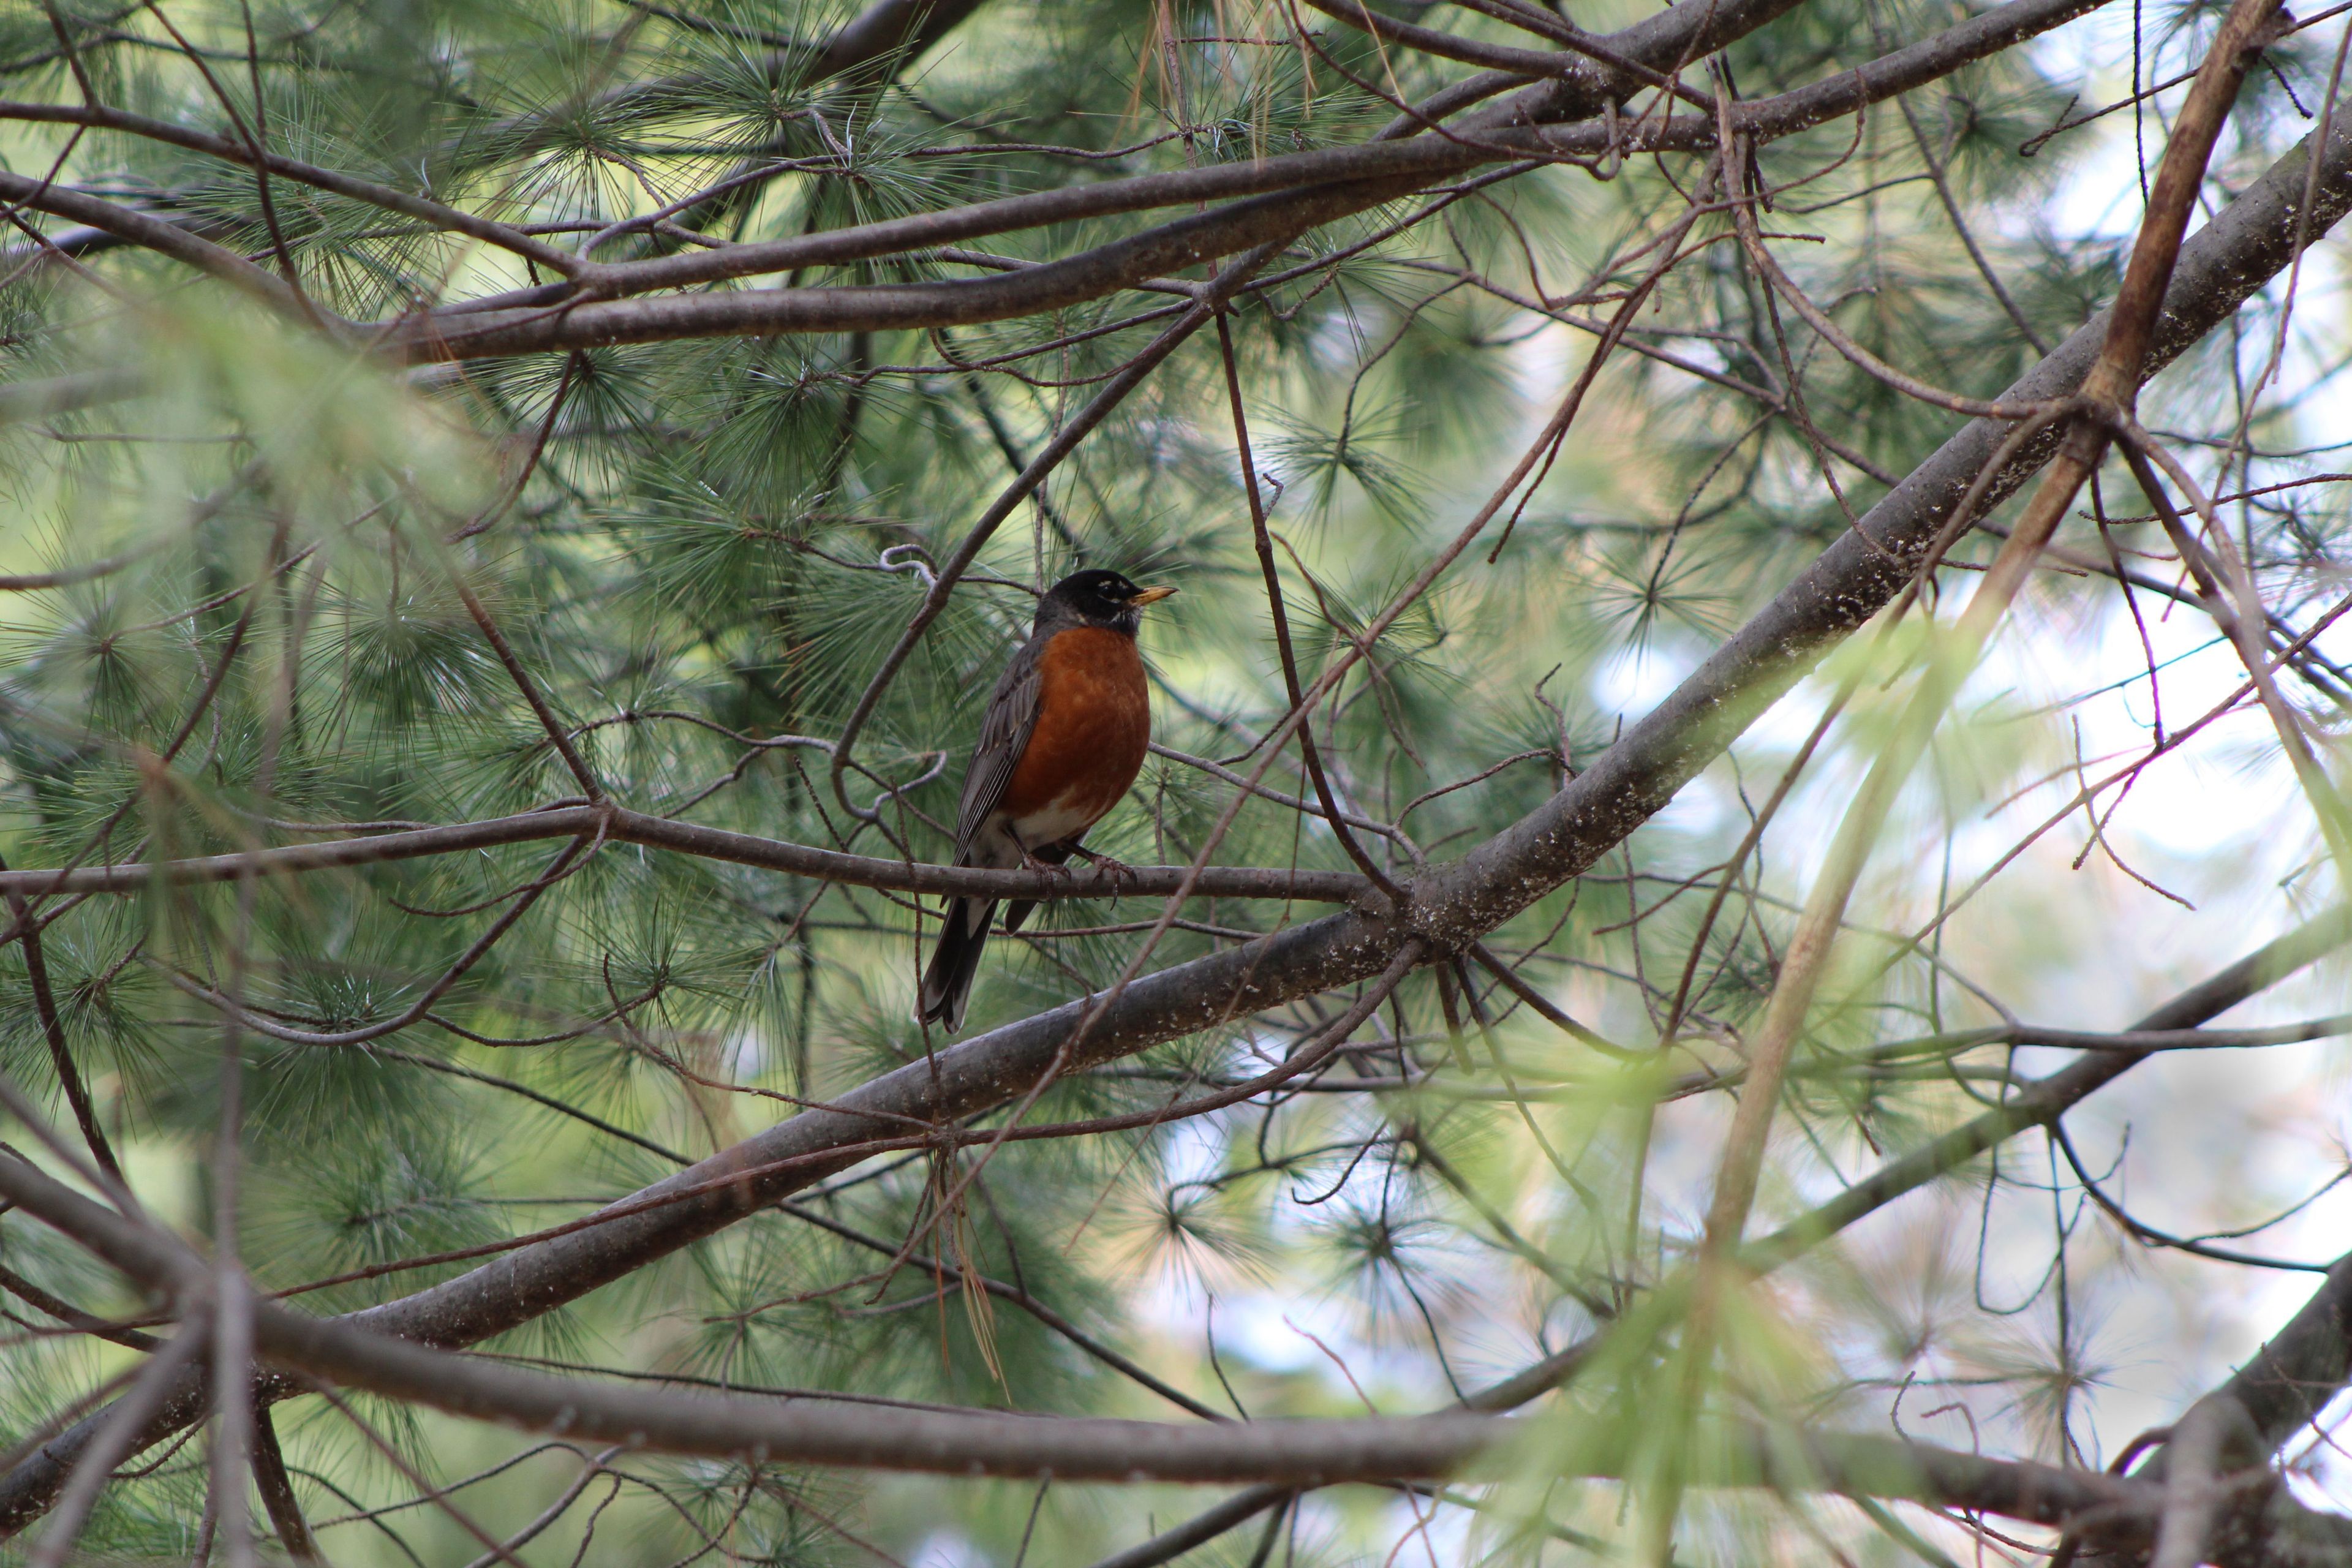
(427, 422)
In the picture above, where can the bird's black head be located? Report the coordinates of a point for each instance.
(1101, 599)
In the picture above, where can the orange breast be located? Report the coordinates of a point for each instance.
(1093, 732)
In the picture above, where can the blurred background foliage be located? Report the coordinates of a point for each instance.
(700, 549)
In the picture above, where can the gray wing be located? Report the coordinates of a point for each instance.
(1003, 736)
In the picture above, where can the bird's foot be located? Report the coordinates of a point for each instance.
(1045, 867)
(1116, 870)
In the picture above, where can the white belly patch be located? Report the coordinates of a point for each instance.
(1058, 821)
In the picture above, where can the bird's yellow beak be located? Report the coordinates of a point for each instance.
(1151, 596)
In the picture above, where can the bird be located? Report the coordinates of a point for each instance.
(1065, 731)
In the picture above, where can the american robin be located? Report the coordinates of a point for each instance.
(1066, 731)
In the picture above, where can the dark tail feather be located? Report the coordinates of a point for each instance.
(947, 982)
